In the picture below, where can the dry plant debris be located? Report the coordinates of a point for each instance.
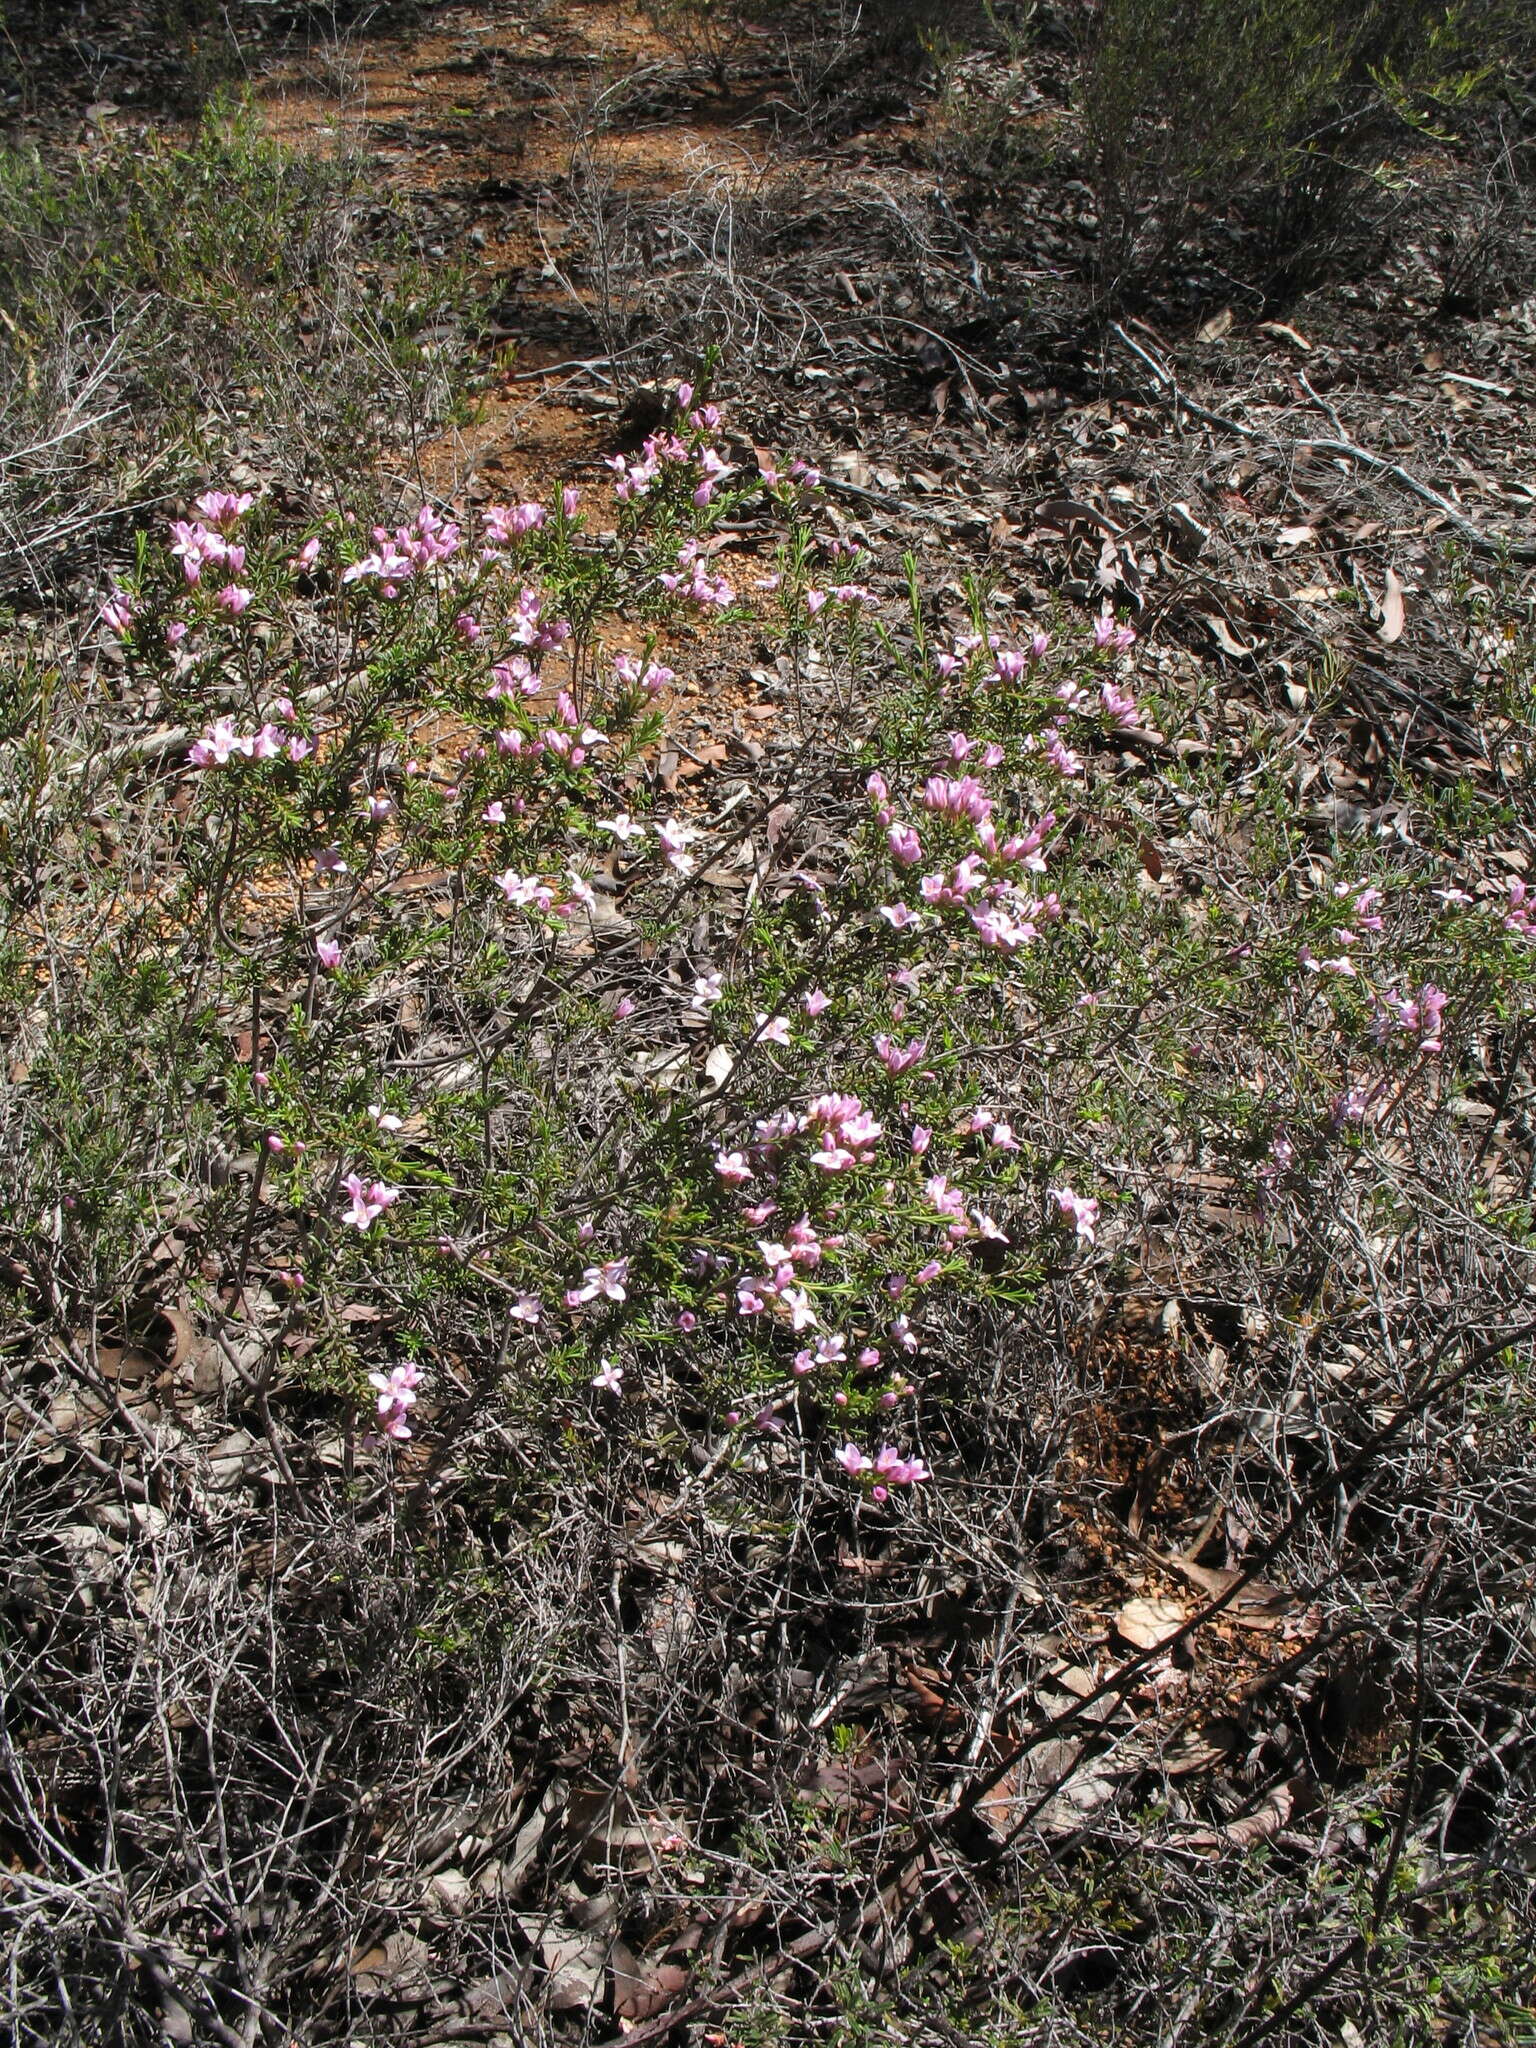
(767, 1107)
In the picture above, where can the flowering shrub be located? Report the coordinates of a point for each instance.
(759, 1165)
(503, 1236)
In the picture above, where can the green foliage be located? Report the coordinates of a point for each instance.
(167, 302)
(1192, 105)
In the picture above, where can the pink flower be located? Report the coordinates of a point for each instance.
(815, 1002)
(1351, 1106)
(623, 1009)
(224, 509)
(1119, 703)
(526, 1309)
(369, 1201)
(898, 1059)
(674, 837)
(1006, 934)
(525, 892)
(196, 546)
(609, 1379)
(1082, 1211)
(218, 745)
(901, 1471)
(117, 612)
(504, 523)
(396, 1398)
(732, 1168)
(233, 598)
(570, 499)
(495, 813)
(801, 1315)
(957, 797)
(906, 847)
(1341, 964)
(1431, 1006)
(852, 1460)
(1282, 1157)
(1522, 902)
(308, 555)
(772, 1030)
(606, 1280)
(833, 1158)
(900, 917)
(328, 952)
(175, 632)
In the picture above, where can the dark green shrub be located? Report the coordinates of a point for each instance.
(1195, 106)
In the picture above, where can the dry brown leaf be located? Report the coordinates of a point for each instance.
(1255, 1605)
(1284, 333)
(1148, 1622)
(1061, 512)
(1224, 637)
(640, 1993)
(1393, 613)
(1268, 1819)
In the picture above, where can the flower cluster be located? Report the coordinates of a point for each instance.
(887, 1468)
(397, 1397)
(368, 1201)
(409, 551)
(1418, 1015)
(1004, 915)
(691, 579)
(221, 743)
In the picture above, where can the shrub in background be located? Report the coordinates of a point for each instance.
(170, 303)
(1193, 105)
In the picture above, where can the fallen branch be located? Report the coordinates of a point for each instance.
(1375, 465)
